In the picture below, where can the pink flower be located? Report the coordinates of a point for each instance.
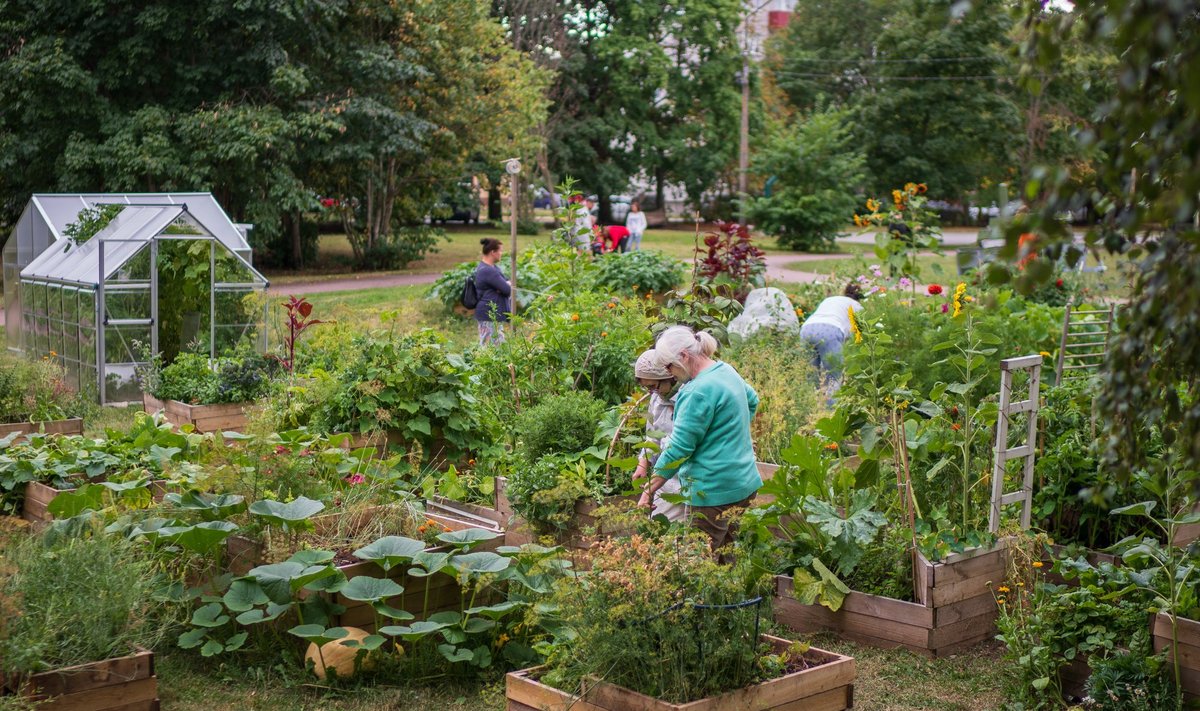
(280, 449)
(945, 308)
(356, 479)
(306, 452)
(905, 282)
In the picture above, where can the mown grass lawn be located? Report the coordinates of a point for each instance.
(888, 680)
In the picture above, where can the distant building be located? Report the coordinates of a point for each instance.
(765, 18)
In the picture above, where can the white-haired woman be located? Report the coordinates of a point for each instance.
(659, 424)
(710, 450)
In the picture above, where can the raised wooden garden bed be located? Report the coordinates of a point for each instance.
(1189, 650)
(827, 687)
(1056, 552)
(118, 684)
(38, 497)
(955, 609)
(458, 515)
(204, 418)
(73, 426)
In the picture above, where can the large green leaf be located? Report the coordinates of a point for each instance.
(72, 503)
(290, 515)
(415, 631)
(210, 507)
(201, 538)
(429, 563)
(280, 581)
(364, 588)
(467, 537)
(480, 563)
(390, 551)
(244, 594)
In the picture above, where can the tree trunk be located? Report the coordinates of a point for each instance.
(659, 195)
(297, 261)
(605, 209)
(494, 209)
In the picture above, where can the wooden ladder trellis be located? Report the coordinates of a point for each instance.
(1026, 451)
(1082, 347)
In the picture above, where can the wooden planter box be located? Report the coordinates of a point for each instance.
(828, 687)
(72, 426)
(458, 515)
(204, 418)
(38, 497)
(1189, 651)
(956, 608)
(118, 684)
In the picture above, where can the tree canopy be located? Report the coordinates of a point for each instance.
(268, 105)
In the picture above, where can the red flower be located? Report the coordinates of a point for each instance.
(934, 289)
(280, 449)
(1059, 283)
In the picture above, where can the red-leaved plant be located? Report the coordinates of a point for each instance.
(298, 312)
(730, 257)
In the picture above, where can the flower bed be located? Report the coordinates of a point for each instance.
(118, 684)
(955, 608)
(828, 686)
(203, 418)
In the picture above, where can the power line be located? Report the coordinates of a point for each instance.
(885, 77)
(871, 60)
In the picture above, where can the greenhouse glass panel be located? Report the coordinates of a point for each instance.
(122, 344)
(70, 324)
(87, 346)
(87, 309)
(121, 383)
(127, 304)
(133, 269)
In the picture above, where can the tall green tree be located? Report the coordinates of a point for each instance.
(1148, 191)
(641, 88)
(937, 106)
(268, 105)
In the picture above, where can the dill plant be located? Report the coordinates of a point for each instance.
(634, 621)
(74, 600)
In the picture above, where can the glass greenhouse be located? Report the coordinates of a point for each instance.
(167, 273)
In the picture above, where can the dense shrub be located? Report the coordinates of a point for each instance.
(639, 271)
(403, 246)
(413, 385)
(559, 424)
(816, 173)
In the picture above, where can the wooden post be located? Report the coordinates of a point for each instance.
(513, 168)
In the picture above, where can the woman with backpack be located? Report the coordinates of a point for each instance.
(492, 291)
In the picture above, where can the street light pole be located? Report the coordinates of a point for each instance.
(513, 167)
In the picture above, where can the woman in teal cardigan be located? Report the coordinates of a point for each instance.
(710, 449)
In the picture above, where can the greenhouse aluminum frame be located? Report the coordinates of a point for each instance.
(87, 304)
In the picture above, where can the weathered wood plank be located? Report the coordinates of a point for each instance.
(104, 698)
(72, 426)
(81, 677)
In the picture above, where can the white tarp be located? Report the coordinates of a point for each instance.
(767, 308)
